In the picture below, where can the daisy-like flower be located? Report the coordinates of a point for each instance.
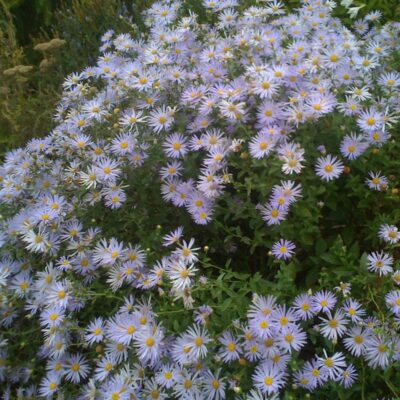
(268, 378)
(148, 343)
(201, 316)
(378, 351)
(329, 167)
(370, 120)
(344, 288)
(261, 145)
(161, 119)
(76, 368)
(377, 181)
(352, 146)
(181, 274)
(273, 215)
(95, 331)
(292, 164)
(230, 350)
(130, 118)
(380, 262)
(107, 170)
(122, 144)
(49, 385)
(167, 376)
(315, 373)
(334, 326)
(348, 376)
(173, 237)
(320, 104)
(396, 277)
(104, 368)
(175, 145)
(173, 169)
(302, 306)
(389, 233)
(36, 242)
(95, 109)
(356, 340)
(187, 386)
(213, 385)
(390, 80)
(333, 365)
(393, 301)
(232, 110)
(283, 249)
(265, 85)
(108, 252)
(186, 252)
(122, 328)
(323, 301)
(359, 93)
(197, 338)
(292, 339)
(353, 310)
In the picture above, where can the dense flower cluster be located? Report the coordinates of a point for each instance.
(194, 95)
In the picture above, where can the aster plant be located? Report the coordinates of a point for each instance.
(190, 227)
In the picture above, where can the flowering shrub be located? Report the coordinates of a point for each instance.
(214, 215)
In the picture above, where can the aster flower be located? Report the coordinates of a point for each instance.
(49, 385)
(230, 350)
(353, 310)
(370, 120)
(377, 352)
(95, 331)
(293, 338)
(167, 376)
(333, 365)
(352, 146)
(393, 301)
(161, 119)
(77, 368)
(357, 340)
(328, 168)
(197, 338)
(181, 274)
(389, 233)
(175, 146)
(348, 377)
(268, 379)
(376, 181)
(273, 215)
(214, 385)
(334, 326)
(323, 301)
(122, 328)
(380, 262)
(148, 342)
(302, 306)
(173, 237)
(283, 249)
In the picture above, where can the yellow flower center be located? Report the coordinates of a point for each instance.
(75, 367)
(268, 380)
(150, 342)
